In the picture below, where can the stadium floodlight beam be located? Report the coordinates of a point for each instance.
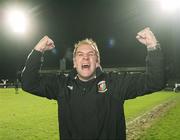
(170, 5)
(17, 20)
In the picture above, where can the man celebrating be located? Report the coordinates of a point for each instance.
(90, 101)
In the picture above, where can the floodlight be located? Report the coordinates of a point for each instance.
(17, 20)
(170, 5)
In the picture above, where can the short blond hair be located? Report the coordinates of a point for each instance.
(88, 42)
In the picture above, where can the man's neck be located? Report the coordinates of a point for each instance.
(86, 79)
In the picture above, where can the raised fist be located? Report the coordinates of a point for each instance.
(44, 44)
(147, 38)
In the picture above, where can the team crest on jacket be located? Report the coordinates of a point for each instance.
(102, 86)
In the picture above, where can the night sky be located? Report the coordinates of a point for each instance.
(113, 24)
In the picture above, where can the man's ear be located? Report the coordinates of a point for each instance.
(74, 63)
(97, 65)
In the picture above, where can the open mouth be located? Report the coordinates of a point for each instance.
(85, 66)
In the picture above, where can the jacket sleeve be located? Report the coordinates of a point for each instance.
(133, 85)
(32, 82)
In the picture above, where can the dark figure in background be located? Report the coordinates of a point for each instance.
(16, 86)
(90, 101)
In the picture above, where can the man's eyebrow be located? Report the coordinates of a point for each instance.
(79, 52)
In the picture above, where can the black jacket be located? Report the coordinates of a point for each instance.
(93, 110)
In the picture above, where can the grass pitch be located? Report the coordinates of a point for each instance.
(142, 104)
(27, 117)
(166, 127)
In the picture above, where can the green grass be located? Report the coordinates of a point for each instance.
(27, 117)
(140, 105)
(167, 127)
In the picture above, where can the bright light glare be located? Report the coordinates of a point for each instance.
(17, 21)
(170, 5)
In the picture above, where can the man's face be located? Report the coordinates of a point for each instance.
(85, 62)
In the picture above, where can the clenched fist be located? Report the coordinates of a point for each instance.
(147, 38)
(44, 44)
